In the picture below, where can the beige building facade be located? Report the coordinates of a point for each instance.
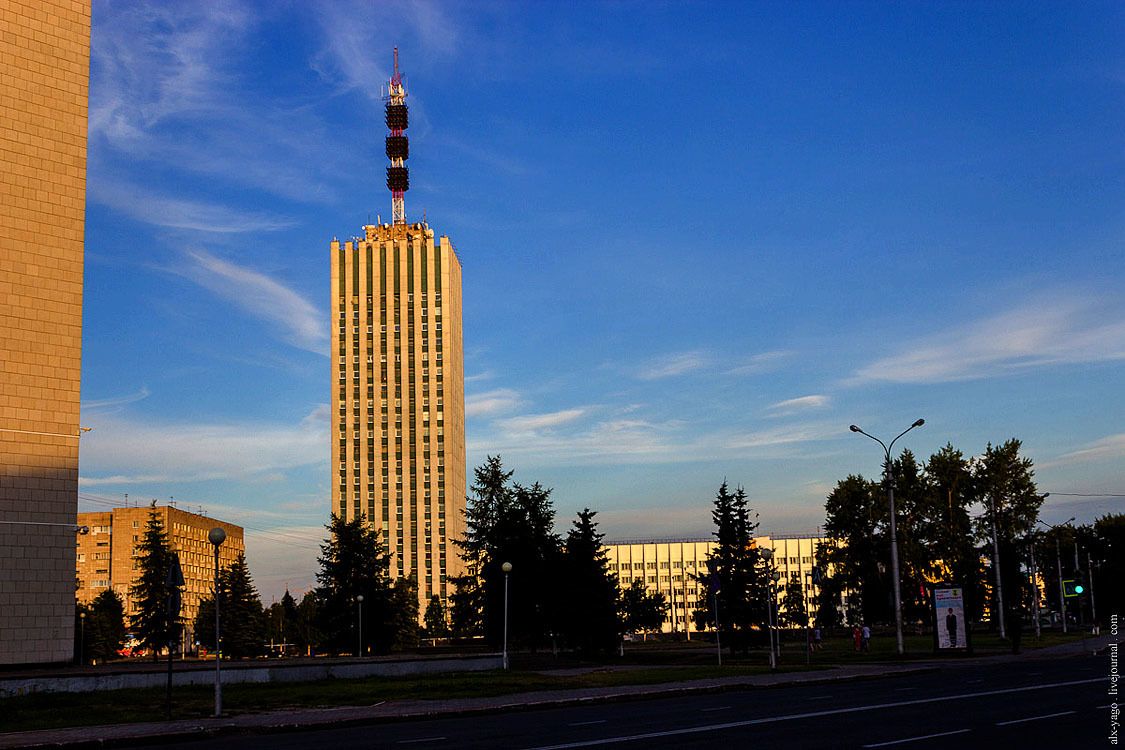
(44, 96)
(106, 557)
(398, 397)
(671, 567)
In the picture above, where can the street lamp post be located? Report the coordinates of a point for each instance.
(217, 536)
(507, 568)
(767, 555)
(894, 534)
(359, 601)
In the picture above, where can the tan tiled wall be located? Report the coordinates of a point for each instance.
(44, 88)
(106, 557)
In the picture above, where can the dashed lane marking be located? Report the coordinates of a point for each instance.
(915, 739)
(810, 715)
(1033, 718)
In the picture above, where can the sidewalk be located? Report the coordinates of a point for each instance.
(144, 733)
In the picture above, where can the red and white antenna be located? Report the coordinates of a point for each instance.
(398, 147)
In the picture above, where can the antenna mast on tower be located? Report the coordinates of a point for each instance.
(398, 147)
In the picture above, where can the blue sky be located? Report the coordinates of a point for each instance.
(698, 240)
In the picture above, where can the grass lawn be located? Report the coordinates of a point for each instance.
(664, 662)
(55, 710)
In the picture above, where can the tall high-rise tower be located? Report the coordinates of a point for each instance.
(44, 97)
(398, 387)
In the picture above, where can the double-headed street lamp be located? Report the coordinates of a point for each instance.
(894, 534)
(217, 536)
(507, 568)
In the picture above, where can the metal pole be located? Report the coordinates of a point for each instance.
(715, 604)
(505, 619)
(1090, 578)
(1078, 578)
(999, 615)
(1062, 592)
(1035, 590)
(218, 677)
(894, 526)
(82, 640)
(894, 559)
(361, 627)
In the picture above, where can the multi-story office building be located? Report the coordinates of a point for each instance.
(671, 566)
(398, 436)
(398, 395)
(44, 94)
(106, 557)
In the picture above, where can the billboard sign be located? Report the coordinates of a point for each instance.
(949, 606)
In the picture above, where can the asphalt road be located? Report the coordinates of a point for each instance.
(1026, 704)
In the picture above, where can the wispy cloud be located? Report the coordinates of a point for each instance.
(492, 402)
(534, 422)
(793, 405)
(762, 362)
(1047, 332)
(671, 365)
(1111, 447)
(103, 403)
(120, 451)
(264, 297)
(178, 213)
(356, 53)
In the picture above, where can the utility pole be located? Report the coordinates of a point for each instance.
(999, 615)
(1062, 591)
(1090, 579)
(1035, 589)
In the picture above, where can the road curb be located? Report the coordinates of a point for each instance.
(233, 729)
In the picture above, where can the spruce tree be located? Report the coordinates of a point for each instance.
(243, 624)
(590, 623)
(743, 575)
(108, 615)
(154, 560)
(354, 561)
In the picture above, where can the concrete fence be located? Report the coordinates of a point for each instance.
(202, 673)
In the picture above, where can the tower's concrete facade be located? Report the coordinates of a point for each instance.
(398, 397)
(44, 96)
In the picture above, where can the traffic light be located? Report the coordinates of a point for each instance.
(1072, 588)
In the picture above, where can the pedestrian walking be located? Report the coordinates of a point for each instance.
(857, 636)
(866, 637)
(816, 640)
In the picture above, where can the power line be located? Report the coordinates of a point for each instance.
(1088, 494)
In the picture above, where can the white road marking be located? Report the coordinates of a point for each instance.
(899, 690)
(423, 739)
(809, 715)
(716, 708)
(1032, 718)
(820, 697)
(586, 723)
(972, 681)
(915, 739)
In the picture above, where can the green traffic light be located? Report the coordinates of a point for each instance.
(1079, 589)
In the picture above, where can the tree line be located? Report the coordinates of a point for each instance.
(946, 509)
(560, 592)
(353, 562)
